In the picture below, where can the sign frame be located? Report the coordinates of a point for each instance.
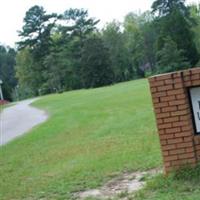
(192, 110)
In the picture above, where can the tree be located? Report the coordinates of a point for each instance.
(58, 75)
(36, 38)
(174, 21)
(96, 67)
(26, 74)
(50, 50)
(78, 23)
(77, 28)
(195, 14)
(66, 51)
(135, 43)
(170, 58)
(149, 39)
(113, 39)
(36, 31)
(7, 71)
(166, 7)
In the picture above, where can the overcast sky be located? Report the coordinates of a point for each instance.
(12, 12)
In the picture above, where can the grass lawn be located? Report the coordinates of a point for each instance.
(184, 185)
(3, 107)
(91, 136)
(6, 106)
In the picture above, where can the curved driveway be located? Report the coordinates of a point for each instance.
(19, 119)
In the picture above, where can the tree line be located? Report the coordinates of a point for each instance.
(60, 52)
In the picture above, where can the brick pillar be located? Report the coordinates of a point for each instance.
(174, 120)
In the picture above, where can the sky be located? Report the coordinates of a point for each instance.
(12, 12)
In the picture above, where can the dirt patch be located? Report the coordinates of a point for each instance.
(125, 183)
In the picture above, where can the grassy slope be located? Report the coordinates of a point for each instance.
(184, 185)
(91, 136)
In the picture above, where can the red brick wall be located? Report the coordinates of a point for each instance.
(170, 97)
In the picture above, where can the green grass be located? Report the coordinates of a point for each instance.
(3, 107)
(91, 136)
(182, 185)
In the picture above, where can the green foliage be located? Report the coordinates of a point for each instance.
(170, 58)
(139, 40)
(96, 66)
(195, 14)
(82, 25)
(7, 72)
(149, 39)
(36, 39)
(134, 43)
(49, 56)
(25, 72)
(54, 52)
(57, 72)
(79, 27)
(113, 39)
(36, 30)
(174, 21)
(166, 7)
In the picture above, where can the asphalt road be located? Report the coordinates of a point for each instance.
(19, 119)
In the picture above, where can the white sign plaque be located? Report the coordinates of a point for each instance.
(195, 101)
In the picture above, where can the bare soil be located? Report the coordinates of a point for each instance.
(126, 183)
